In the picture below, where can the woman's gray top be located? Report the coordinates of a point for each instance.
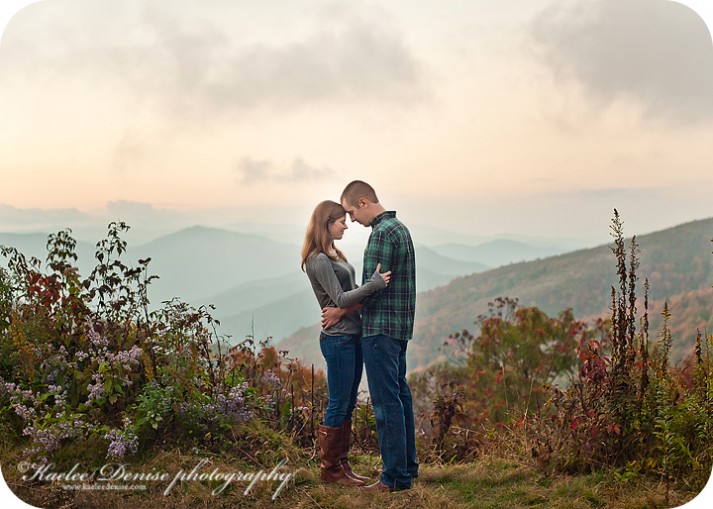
(334, 285)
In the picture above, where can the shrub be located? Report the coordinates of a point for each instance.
(87, 360)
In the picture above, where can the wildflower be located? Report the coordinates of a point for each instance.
(96, 390)
(270, 378)
(119, 444)
(50, 438)
(122, 441)
(129, 359)
(7, 387)
(54, 389)
(98, 341)
(81, 355)
(25, 413)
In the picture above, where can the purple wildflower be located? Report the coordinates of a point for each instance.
(270, 378)
(122, 441)
(96, 390)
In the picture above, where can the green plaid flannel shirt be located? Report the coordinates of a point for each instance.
(390, 311)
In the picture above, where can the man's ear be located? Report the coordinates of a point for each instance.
(363, 202)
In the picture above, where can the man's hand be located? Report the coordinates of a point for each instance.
(331, 316)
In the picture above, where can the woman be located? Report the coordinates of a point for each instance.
(332, 279)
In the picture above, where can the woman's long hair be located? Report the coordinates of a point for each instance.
(317, 238)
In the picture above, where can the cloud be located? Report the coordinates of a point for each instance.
(251, 171)
(129, 151)
(131, 210)
(299, 171)
(355, 62)
(654, 52)
(195, 60)
(18, 219)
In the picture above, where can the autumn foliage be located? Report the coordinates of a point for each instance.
(574, 397)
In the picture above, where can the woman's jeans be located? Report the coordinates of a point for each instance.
(385, 361)
(344, 369)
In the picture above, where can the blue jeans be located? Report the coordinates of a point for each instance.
(385, 361)
(344, 369)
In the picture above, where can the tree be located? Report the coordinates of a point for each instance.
(518, 354)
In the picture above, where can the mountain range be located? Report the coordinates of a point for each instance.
(677, 262)
(254, 280)
(258, 288)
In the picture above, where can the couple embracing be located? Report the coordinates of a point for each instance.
(368, 326)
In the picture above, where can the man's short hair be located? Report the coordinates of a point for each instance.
(358, 189)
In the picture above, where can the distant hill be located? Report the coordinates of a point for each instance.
(250, 279)
(200, 261)
(276, 319)
(35, 244)
(497, 253)
(677, 262)
(304, 344)
(446, 265)
(193, 263)
(255, 294)
(435, 236)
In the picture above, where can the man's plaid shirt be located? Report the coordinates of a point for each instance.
(390, 311)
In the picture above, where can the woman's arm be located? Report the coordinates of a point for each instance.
(324, 273)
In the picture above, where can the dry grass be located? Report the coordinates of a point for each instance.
(488, 483)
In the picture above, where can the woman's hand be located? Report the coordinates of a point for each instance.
(386, 276)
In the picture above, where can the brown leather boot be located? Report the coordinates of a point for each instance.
(344, 454)
(378, 486)
(331, 470)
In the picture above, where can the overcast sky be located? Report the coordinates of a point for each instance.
(526, 116)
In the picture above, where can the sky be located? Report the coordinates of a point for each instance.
(528, 117)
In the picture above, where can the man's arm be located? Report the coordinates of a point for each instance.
(331, 316)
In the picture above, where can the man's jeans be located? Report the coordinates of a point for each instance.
(385, 361)
(344, 369)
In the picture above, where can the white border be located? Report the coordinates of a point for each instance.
(9, 8)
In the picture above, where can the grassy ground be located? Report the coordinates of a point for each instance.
(488, 483)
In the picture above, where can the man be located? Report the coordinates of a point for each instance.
(387, 325)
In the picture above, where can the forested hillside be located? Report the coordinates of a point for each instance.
(677, 261)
